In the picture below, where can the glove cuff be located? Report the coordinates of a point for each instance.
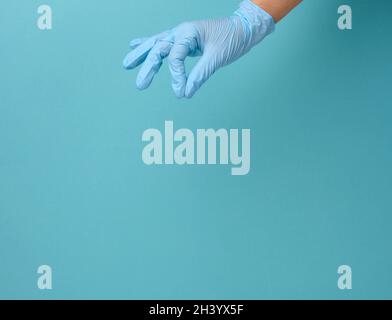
(257, 22)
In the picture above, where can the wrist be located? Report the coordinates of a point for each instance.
(269, 7)
(277, 8)
(257, 22)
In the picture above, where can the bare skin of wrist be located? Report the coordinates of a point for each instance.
(277, 8)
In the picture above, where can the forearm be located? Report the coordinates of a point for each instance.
(277, 8)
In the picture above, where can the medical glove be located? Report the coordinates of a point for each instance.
(219, 42)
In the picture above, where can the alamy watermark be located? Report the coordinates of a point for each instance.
(184, 147)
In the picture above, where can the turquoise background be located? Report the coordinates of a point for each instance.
(75, 194)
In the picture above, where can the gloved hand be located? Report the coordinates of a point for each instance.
(219, 42)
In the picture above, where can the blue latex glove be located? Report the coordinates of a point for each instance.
(219, 42)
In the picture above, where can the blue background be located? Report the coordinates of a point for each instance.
(75, 194)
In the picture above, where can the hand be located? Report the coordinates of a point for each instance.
(219, 42)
